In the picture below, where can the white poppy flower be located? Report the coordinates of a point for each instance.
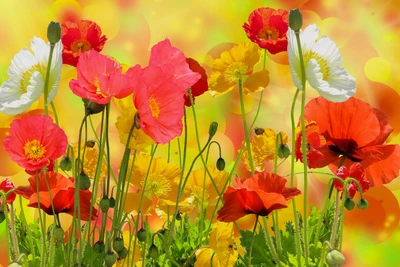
(322, 65)
(27, 75)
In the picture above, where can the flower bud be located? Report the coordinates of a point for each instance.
(110, 259)
(104, 204)
(213, 129)
(259, 131)
(153, 251)
(2, 216)
(14, 264)
(59, 233)
(362, 204)
(179, 216)
(118, 244)
(84, 181)
(99, 247)
(335, 259)
(66, 164)
(92, 107)
(136, 120)
(295, 19)
(123, 253)
(283, 151)
(90, 143)
(221, 164)
(349, 203)
(141, 235)
(54, 32)
(112, 202)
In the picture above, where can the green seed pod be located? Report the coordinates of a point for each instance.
(118, 244)
(259, 131)
(295, 19)
(179, 216)
(2, 216)
(59, 233)
(335, 259)
(123, 253)
(349, 203)
(283, 151)
(99, 247)
(112, 202)
(153, 252)
(84, 181)
(104, 204)
(362, 204)
(141, 235)
(54, 32)
(221, 164)
(90, 143)
(110, 259)
(66, 164)
(213, 129)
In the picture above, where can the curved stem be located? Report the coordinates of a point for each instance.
(46, 82)
(252, 241)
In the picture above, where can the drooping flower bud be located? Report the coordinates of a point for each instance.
(283, 151)
(99, 247)
(84, 181)
(54, 32)
(213, 129)
(259, 131)
(179, 216)
(118, 244)
(59, 233)
(66, 164)
(90, 143)
(104, 204)
(221, 164)
(141, 235)
(335, 259)
(123, 253)
(349, 203)
(136, 120)
(362, 204)
(295, 19)
(92, 107)
(153, 251)
(2, 216)
(112, 202)
(110, 258)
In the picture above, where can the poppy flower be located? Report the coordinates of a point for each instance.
(322, 63)
(201, 86)
(100, 78)
(27, 75)
(268, 27)
(355, 171)
(222, 251)
(260, 195)
(6, 186)
(356, 131)
(34, 142)
(61, 194)
(79, 37)
(234, 65)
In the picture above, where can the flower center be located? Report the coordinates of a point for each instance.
(157, 184)
(80, 46)
(197, 196)
(235, 71)
(323, 63)
(34, 150)
(26, 76)
(154, 107)
(267, 33)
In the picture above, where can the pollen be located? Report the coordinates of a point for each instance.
(323, 63)
(235, 71)
(26, 76)
(80, 46)
(267, 33)
(157, 184)
(34, 150)
(154, 107)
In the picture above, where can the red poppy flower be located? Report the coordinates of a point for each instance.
(100, 78)
(260, 195)
(6, 186)
(356, 131)
(79, 37)
(267, 27)
(355, 171)
(34, 142)
(62, 195)
(201, 86)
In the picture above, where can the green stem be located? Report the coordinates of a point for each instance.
(13, 232)
(252, 241)
(46, 82)
(335, 220)
(270, 243)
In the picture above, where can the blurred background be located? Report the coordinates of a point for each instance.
(366, 31)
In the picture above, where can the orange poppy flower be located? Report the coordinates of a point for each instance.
(260, 195)
(61, 194)
(358, 132)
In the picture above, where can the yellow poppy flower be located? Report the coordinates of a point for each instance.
(222, 251)
(237, 64)
(262, 148)
(139, 140)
